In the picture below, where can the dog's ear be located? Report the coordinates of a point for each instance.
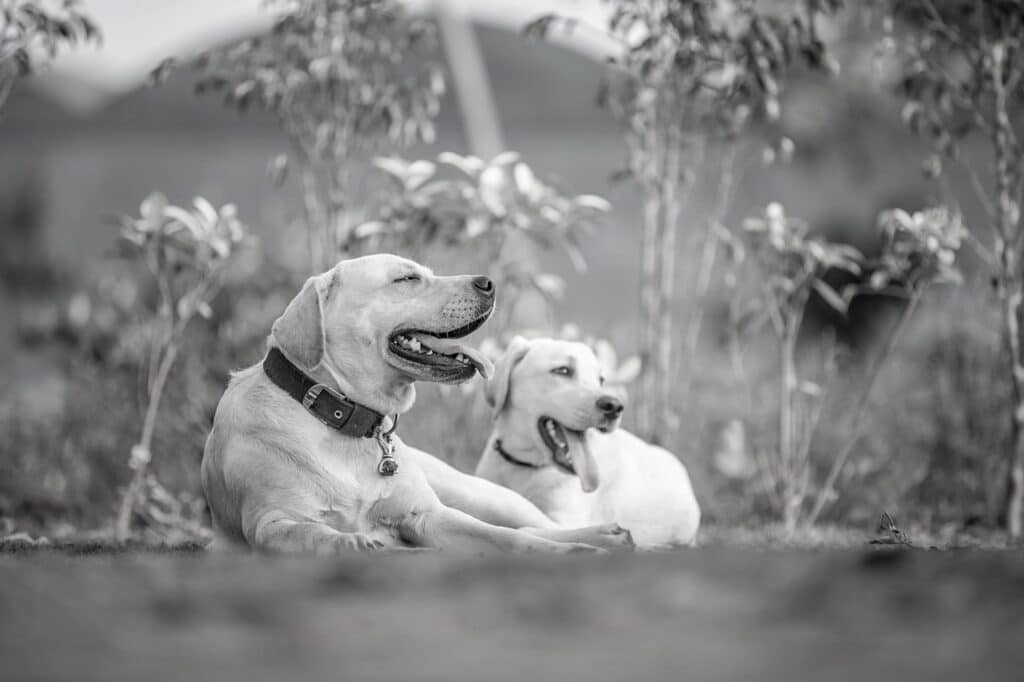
(299, 332)
(496, 390)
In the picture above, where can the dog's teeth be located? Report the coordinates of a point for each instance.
(414, 344)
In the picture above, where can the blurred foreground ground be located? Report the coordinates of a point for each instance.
(715, 613)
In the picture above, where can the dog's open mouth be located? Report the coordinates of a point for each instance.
(437, 355)
(570, 451)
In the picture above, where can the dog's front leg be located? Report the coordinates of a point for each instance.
(278, 533)
(478, 497)
(450, 529)
(607, 536)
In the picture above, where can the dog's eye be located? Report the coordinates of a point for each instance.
(600, 380)
(562, 371)
(408, 278)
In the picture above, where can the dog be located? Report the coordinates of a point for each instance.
(301, 457)
(555, 440)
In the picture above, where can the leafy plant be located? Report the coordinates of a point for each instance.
(186, 253)
(344, 77)
(961, 66)
(477, 207)
(32, 31)
(685, 75)
(787, 266)
(919, 250)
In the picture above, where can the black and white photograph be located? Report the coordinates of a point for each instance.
(511, 340)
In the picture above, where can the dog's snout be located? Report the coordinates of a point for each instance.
(484, 285)
(610, 406)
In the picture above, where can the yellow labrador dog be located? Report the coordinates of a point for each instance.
(301, 457)
(556, 441)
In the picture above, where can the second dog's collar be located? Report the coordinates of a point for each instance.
(568, 468)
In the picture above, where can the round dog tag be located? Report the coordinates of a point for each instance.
(387, 466)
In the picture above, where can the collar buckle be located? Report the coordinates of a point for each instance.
(313, 394)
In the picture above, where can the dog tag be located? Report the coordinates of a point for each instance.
(388, 465)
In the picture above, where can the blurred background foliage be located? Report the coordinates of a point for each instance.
(913, 407)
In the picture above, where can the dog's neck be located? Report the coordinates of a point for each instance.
(394, 395)
(518, 443)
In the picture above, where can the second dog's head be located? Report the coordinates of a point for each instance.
(549, 394)
(376, 324)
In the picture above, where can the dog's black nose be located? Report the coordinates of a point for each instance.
(612, 407)
(484, 285)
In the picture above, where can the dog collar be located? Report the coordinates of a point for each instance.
(332, 408)
(565, 466)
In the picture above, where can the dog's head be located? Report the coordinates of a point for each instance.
(551, 393)
(378, 323)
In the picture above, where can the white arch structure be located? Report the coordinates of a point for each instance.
(139, 34)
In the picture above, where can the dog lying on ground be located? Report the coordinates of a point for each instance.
(301, 458)
(555, 441)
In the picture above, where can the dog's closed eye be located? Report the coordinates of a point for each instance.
(408, 278)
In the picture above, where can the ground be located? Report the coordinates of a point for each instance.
(713, 613)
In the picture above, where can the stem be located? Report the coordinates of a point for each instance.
(128, 502)
(1008, 251)
(709, 253)
(1015, 470)
(786, 446)
(861, 405)
(667, 275)
(649, 276)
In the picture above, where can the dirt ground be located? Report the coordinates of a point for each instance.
(709, 614)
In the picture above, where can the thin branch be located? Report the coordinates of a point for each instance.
(859, 409)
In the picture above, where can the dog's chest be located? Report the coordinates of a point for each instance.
(357, 489)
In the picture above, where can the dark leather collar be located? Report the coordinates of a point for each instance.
(324, 403)
(566, 467)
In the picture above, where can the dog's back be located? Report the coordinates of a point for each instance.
(649, 490)
(643, 487)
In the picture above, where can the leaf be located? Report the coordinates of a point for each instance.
(492, 184)
(393, 166)
(152, 207)
(417, 173)
(206, 210)
(476, 225)
(606, 355)
(552, 285)
(505, 159)
(369, 229)
(830, 296)
(526, 182)
(592, 201)
(186, 219)
(277, 169)
(628, 371)
(470, 165)
(809, 388)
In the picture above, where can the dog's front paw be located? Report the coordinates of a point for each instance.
(581, 548)
(611, 536)
(354, 542)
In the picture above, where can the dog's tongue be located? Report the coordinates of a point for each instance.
(453, 347)
(582, 456)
